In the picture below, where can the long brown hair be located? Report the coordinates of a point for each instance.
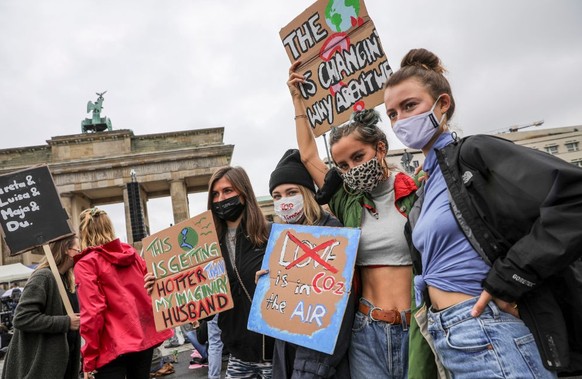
(425, 67)
(253, 221)
(59, 249)
(95, 228)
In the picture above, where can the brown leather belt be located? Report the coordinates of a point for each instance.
(391, 317)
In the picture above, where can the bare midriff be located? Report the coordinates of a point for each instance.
(442, 299)
(387, 287)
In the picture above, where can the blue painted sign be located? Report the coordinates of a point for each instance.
(304, 296)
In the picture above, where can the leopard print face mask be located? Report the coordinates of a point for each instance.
(364, 177)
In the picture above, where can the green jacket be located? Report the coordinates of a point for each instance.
(348, 208)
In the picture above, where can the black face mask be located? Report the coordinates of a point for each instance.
(229, 209)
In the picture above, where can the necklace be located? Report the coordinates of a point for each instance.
(231, 235)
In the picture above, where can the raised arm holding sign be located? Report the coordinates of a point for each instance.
(341, 60)
(362, 190)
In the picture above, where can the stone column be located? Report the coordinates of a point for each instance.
(179, 200)
(74, 205)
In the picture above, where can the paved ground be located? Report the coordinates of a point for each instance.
(180, 367)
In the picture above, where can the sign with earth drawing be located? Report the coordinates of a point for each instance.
(304, 296)
(342, 59)
(191, 279)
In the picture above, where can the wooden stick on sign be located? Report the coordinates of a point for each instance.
(57, 275)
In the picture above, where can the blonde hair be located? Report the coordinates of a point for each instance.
(59, 249)
(312, 211)
(253, 221)
(95, 228)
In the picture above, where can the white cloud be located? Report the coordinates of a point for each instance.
(187, 64)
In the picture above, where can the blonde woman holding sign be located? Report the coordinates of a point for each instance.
(117, 321)
(41, 325)
(293, 194)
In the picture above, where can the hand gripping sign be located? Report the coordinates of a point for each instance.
(303, 298)
(191, 279)
(342, 60)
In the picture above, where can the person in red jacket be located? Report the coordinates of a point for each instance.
(117, 321)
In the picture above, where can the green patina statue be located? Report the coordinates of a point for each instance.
(96, 123)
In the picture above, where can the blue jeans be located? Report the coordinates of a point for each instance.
(493, 345)
(191, 336)
(378, 349)
(214, 349)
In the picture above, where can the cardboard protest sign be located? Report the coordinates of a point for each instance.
(303, 298)
(191, 279)
(341, 58)
(31, 213)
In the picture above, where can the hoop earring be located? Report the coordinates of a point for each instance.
(348, 191)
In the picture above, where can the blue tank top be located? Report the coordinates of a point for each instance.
(449, 262)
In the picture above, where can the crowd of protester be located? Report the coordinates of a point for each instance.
(469, 269)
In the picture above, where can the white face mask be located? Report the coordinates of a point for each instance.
(289, 209)
(416, 131)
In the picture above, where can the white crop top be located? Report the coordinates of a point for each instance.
(382, 240)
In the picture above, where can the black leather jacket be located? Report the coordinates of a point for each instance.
(521, 210)
(241, 342)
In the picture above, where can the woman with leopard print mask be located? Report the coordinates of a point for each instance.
(375, 198)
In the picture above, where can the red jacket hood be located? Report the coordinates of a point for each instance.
(404, 185)
(115, 252)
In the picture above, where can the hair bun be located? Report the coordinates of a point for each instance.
(424, 59)
(366, 117)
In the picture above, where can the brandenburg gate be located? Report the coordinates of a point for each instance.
(92, 169)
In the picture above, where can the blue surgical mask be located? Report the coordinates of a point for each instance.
(416, 131)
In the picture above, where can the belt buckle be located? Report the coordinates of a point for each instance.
(403, 321)
(372, 309)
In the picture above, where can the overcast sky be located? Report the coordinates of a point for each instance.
(180, 65)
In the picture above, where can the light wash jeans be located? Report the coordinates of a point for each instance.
(493, 345)
(191, 336)
(214, 349)
(378, 349)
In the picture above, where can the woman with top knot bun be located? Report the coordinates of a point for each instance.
(497, 233)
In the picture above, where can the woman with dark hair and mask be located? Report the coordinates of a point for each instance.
(293, 192)
(375, 198)
(243, 233)
(497, 229)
